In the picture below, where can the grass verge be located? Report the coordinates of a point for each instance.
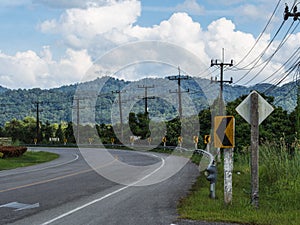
(279, 192)
(29, 158)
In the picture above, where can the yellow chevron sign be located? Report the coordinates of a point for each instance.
(224, 132)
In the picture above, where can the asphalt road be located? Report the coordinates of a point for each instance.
(68, 191)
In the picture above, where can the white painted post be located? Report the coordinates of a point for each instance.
(228, 168)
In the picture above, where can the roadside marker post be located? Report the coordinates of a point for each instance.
(254, 109)
(207, 141)
(164, 140)
(196, 140)
(180, 140)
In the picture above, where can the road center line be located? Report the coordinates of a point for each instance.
(44, 168)
(56, 178)
(106, 196)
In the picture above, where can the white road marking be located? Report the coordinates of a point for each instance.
(43, 168)
(20, 206)
(105, 196)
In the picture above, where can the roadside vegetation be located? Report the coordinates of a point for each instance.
(279, 159)
(279, 179)
(29, 158)
(279, 195)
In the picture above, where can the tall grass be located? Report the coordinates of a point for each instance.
(279, 167)
(279, 186)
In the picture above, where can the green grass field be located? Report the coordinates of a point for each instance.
(279, 196)
(29, 158)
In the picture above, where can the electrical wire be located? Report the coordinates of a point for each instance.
(286, 37)
(261, 34)
(288, 72)
(296, 75)
(282, 66)
(256, 60)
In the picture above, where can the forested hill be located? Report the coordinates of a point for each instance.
(56, 105)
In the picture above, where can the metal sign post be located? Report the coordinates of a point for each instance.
(254, 150)
(254, 109)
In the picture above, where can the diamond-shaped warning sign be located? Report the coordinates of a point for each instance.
(224, 132)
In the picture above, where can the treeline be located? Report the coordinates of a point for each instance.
(58, 104)
(279, 127)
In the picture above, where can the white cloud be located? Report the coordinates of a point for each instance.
(90, 31)
(28, 69)
(82, 27)
(191, 7)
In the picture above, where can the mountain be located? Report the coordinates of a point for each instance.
(3, 89)
(61, 104)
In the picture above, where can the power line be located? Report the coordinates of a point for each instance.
(256, 60)
(270, 58)
(282, 66)
(290, 70)
(261, 34)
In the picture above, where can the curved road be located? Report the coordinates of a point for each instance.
(69, 191)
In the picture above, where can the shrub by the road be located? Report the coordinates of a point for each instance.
(12, 151)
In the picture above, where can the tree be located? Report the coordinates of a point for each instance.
(205, 121)
(69, 133)
(47, 131)
(13, 128)
(139, 124)
(60, 134)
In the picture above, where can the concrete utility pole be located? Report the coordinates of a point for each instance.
(295, 16)
(221, 81)
(228, 153)
(146, 96)
(298, 111)
(179, 91)
(77, 107)
(120, 110)
(37, 110)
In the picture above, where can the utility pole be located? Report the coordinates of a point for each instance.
(228, 159)
(120, 110)
(298, 106)
(295, 16)
(78, 120)
(37, 110)
(221, 81)
(77, 107)
(146, 96)
(179, 91)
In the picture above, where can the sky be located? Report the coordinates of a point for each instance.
(50, 43)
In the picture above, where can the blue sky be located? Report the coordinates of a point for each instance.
(49, 43)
